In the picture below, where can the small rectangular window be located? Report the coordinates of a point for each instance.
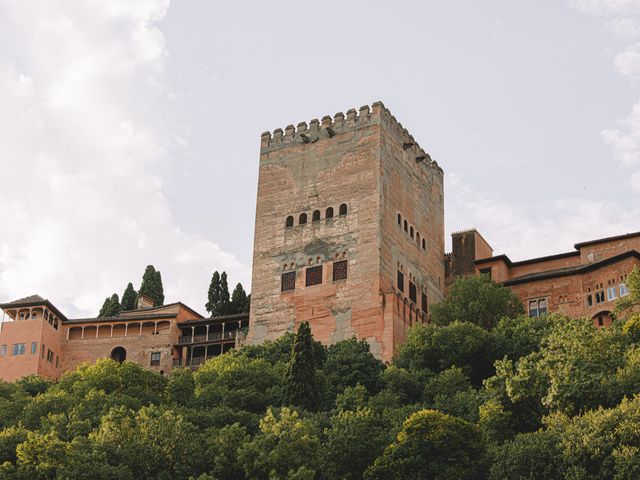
(600, 297)
(413, 294)
(155, 359)
(624, 290)
(3, 350)
(612, 293)
(49, 356)
(424, 303)
(486, 271)
(57, 361)
(34, 348)
(533, 308)
(589, 301)
(542, 306)
(314, 276)
(400, 281)
(339, 270)
(288, 281)
(42, 351)
(18, 349)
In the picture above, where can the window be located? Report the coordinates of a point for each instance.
(288, 281)
(424, 244)
(289, 222)
(411, 232)
(3, 350)
(399, 219)
(537, 307)
(600, 322)
(155, 359)
(18, 349)
(33, 315)
(34, 348)
(600, 297)
(343, 209)
(42, 351)
(589, 300)
(612, 293)
(314, 276)
(418, 237)
(339, 270)
(486, 271)
(57, 361)
(400, 281)
(406, 226)
(49, 356)
(413, 294)
(425, 305)
(624, 290)
(329, 213)
(316, 216)
(303, 219)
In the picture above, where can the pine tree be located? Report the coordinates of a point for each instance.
(110, 307)
(225, 303)
(213, 296)
(301, 385)
(239, 300)
(152, 285)
(129, 298)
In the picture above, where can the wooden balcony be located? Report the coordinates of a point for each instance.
(214, 337)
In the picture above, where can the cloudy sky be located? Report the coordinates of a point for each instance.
(129, 130)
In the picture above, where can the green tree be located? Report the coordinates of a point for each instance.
(353, 442)
(110, 307)
(476, 299)
(529, 456)
(239, 300)
(435, 348)
(631, 301)
(432, 446)
(286, 447)
(350, 362)
(218, 303)
(129, 298)
(151, 285)
(222, 448)
(519, 336)
(181, 387)
(301, 385)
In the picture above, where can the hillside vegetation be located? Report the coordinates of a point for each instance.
(496, 396)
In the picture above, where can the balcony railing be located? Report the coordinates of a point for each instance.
(212, 337)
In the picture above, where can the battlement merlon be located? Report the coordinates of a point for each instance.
(328, 127)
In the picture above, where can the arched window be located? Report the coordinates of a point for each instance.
(316, 216)
(424, 244)
(406, 226)
(418, 237)
(343, 209)
(303, 219)
(411, 232)
(289, 222)
(329, 213)
(399, 219)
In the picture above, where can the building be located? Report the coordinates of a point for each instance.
(349, 231)
(585, 282)
(37, 338)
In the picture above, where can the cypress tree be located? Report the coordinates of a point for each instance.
(225, 303)
(105, 308)
(301, 385)
(239, 300)
(129, 298)
(110, 307)
(213, 296)
(152, 285)
(247, 305)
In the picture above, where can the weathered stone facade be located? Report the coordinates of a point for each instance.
(355, 188)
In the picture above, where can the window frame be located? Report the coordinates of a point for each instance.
(50, 355)
(413, 292)
(34, 348)
(340, 270)
(343, 209)
(155, 362)
(624, 290)
(313, 276)
(3, 350)
(18, 349)
(400, 281)
(288, 280)
(612, 293)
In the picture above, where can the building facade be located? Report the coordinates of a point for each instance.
(585, 282)
(36, 338)
(349, 231)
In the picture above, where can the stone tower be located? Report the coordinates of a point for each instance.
(349, 231)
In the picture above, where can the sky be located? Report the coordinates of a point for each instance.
(129, 131)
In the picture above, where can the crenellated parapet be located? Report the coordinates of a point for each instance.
(328, 127)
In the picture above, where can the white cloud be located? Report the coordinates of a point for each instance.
(607, 7)
(86, 139)
(627, 62)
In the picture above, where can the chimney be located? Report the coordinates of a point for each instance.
(145, 302)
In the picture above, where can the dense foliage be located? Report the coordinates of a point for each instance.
(549, 398)
(151, 285)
